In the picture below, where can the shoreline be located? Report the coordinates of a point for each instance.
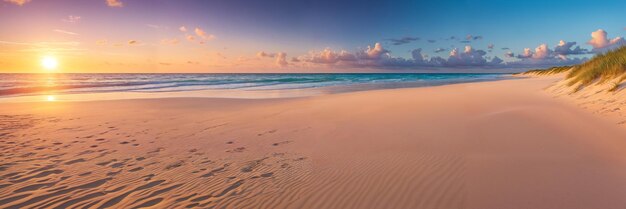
(234, 93)
(497, 144)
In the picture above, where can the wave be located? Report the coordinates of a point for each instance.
(29, 84)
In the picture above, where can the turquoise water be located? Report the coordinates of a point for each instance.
(35, 84)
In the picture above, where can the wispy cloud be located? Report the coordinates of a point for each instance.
(403, 40)
(72, 19)
(18, 2)
(114, 3)
(172, 41)
(65, 32)
(200, 33)
(157, 27)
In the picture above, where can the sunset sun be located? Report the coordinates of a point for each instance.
(49, 63)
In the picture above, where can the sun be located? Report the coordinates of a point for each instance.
(49, 63)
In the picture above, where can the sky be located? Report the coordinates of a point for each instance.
(180, 36)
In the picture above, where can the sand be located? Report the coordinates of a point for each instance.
(500, 144)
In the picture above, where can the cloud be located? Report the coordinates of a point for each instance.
(432, 41)
(328, 56)
(190, 37)
(403, 40)
(265, 54)
(526, 54)
(182, 29)
(469, 57)
(542, 52)
(543, 56)
(157, 27)
(437, 50)
(72, 19)
(200, 33)
(373, 53)
(172, 41)
(114, 3)
(505, 48)
(281, 59)
(65, 32)
(18, 2)
(601, 43)
(490, 46)
(509, 54)
(133, 42)
(565, 48)
(101, 42)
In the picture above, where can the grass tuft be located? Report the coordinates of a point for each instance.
(600, 69)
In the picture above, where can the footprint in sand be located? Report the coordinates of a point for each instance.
(281, 143)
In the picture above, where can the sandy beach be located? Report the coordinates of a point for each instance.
(498, 144)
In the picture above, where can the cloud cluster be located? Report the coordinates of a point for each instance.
(280, 57)
(378, 56)
(198, 34)
(18, 2)
(114, 3)
(565, 48)
(601, 43)
(543, 56)
(469, 57)
(328, 56)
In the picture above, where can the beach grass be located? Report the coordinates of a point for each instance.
(549, 71)
(600, 69)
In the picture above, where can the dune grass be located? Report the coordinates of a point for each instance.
(549, 71)
(602, 68)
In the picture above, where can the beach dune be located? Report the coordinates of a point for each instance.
(498, 144)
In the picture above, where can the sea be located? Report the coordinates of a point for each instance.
(88, 86)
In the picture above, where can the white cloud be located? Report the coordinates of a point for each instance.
(542, 52)
(374, 52)
(601, 43)
(182, 29)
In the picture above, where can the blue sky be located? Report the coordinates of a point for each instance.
(302, 30)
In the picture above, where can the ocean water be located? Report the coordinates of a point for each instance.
(17, 85)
